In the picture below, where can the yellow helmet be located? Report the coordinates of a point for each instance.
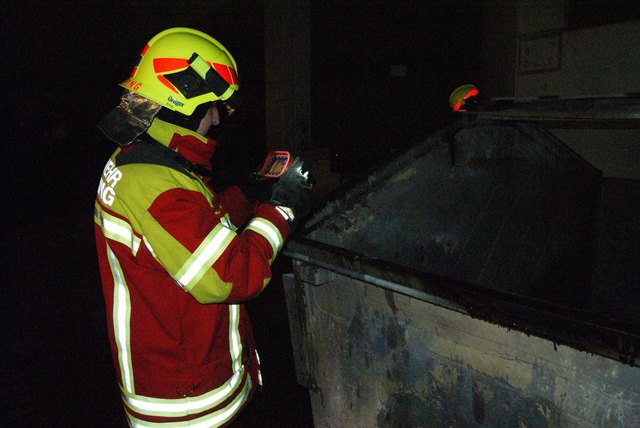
(182, 68)
(459, 96)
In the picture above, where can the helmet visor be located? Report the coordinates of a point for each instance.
(200, 78)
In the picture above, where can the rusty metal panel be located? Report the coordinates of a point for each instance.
(379, 358)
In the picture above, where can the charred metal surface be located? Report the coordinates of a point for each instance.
(399, 361)
(622, 108)
(511, 233)
(486, 277)
(587, 331)
(299, 312)
(512, 214)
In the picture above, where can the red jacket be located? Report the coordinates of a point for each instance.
(175, 270)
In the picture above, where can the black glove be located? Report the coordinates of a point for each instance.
(256, 189)
(293, 190)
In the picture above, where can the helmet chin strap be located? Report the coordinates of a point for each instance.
(190, 122)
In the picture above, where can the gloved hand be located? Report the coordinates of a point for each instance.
(256, 189)
(293, 190)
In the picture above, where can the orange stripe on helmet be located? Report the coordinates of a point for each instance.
(472, 93)
(226, 72)
(164, 65)
(168, 84)
(135, 67)
(234, 75)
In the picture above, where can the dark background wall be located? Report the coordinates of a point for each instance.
(382, 72)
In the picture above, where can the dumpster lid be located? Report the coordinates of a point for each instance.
(492, 216)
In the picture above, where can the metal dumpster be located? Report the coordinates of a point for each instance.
(465, 283)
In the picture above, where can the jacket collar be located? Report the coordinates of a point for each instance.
(190, 145)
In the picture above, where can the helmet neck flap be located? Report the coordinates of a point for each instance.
(129, 119)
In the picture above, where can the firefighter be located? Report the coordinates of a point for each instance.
(177, 260)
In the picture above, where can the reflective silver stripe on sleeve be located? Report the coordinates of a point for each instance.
(267, 230)
(150, 248)
(204, 256)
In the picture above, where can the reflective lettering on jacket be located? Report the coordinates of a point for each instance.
(111, 175)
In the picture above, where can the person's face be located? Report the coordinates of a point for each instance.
(211, 118)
